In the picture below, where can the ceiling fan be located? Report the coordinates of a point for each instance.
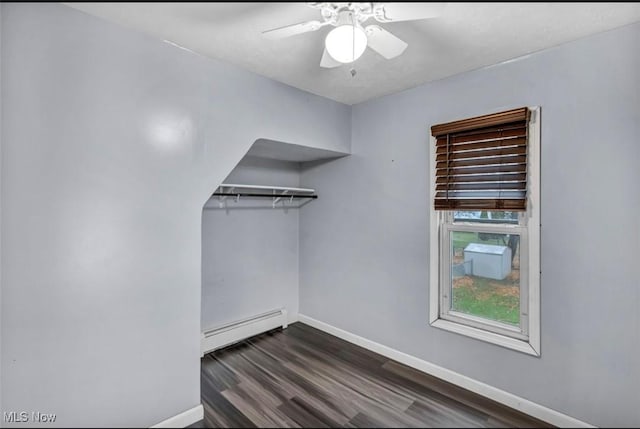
(349, 39)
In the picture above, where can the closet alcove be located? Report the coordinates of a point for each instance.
(250, 236)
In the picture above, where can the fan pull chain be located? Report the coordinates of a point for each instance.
(353, 45)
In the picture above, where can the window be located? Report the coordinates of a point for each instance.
(485, 228)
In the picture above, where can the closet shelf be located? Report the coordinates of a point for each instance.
(276, 188)
(278, 193)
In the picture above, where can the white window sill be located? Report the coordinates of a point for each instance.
(489, 337)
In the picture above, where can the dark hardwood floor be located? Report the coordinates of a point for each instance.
(302, 377)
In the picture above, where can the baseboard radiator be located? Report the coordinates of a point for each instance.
(229, 333)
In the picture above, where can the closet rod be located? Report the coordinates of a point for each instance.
(244, 194)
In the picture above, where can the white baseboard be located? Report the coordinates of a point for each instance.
(524, 405)
(183, 419)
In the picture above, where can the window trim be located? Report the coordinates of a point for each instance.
(532, 225)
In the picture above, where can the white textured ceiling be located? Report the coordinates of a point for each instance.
(466, 36)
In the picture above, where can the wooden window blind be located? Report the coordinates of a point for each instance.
(481, 162)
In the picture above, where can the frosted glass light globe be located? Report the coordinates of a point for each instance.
(346, 43)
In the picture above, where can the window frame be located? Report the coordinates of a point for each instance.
(527, 338)
(447, 227)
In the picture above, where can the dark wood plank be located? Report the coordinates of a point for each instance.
(219, 412)
(363, 421)
(306, 415)
(302, 377)
(436, 414)
(494, 409)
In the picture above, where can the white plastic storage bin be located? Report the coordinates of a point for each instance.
(488, 260)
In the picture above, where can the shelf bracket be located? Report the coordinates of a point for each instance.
(275, 200)
(224, 197)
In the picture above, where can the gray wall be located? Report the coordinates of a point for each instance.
(364, 245)
(250, 249)
(1, 96)
(112, 141)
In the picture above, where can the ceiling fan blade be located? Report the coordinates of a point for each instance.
(394, 12)
(383, 42)
(328, 62)
(292, 30)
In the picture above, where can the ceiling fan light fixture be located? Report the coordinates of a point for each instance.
(348, 40)
(346, 43)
